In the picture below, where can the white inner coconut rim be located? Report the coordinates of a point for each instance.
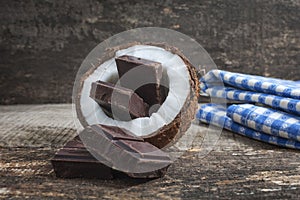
(179, 88)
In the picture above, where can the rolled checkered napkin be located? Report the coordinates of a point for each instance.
(266, 120)
(216, 114)
(278, 102)
(283, 88)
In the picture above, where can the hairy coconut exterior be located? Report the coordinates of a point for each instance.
(170, 133)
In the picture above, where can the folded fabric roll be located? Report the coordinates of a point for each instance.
(271, 125)
(217, 115)
(278, 87)
(278, 102)
(266, 120)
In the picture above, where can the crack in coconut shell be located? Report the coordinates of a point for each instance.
(168, 134)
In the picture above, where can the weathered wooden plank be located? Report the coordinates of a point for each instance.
(237, 168)
(43, 43)
(36, 126)
(249, 169)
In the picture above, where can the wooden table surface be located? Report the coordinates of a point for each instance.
(237, 168)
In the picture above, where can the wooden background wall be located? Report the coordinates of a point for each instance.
(42, 43)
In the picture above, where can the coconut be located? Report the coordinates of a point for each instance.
(173, 117)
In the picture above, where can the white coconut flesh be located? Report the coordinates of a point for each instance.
(178, 85)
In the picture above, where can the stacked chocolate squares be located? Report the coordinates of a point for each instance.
(127, 100)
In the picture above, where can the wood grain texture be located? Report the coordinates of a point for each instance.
(241, 169)
(238, 168)
(43, 43)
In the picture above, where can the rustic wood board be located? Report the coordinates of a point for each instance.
(43, 43)
(238, 168)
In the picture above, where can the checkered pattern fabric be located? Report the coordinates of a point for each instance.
(266, 120)
(278, 102)
(283, 88)
(279, 124)
(217, 115)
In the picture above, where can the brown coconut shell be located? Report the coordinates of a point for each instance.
(170, 133)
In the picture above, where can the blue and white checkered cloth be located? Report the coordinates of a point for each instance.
(266, 120)
(270, 124)
(279, 94)
(277, 102)
(283, 88)
(217, 115)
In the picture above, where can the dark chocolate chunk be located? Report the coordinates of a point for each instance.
(75, 161)
(129, 154)
(118, 102)
(109, 152)
(141, 75)
(115, 133)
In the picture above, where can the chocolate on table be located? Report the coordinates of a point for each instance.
(148, 75)
(118, 102)
(75, 161)
(125, 152)
(109, 152)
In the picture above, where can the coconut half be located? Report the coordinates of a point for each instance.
(172, 118)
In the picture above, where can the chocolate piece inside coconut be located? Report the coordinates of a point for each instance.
(173, 117)
(150, 70)
(118, 102)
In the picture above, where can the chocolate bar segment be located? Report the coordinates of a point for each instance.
(118, 102)
(129, 154)
(115, 133)
(109, 152)
(141, 75)
(75, 161)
